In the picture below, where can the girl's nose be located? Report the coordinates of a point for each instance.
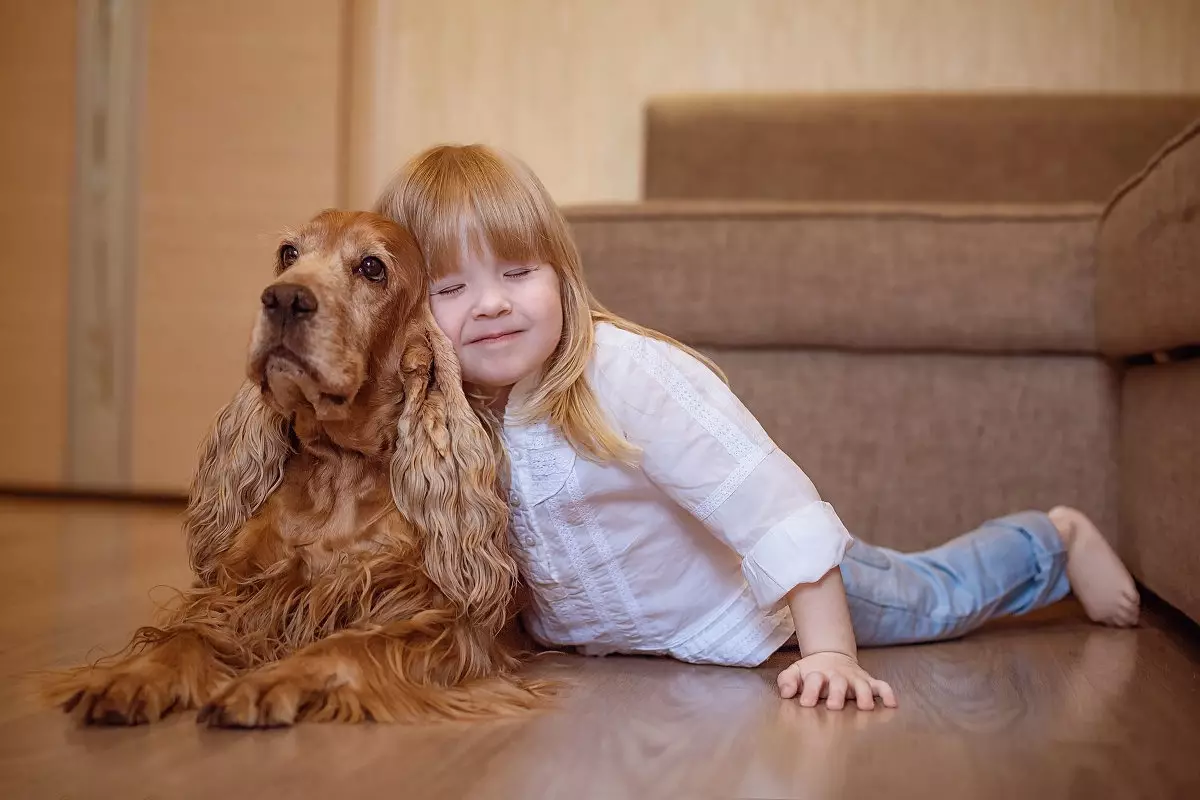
(492, 303)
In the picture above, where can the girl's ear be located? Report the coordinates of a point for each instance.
(445, 481)
(241, 463)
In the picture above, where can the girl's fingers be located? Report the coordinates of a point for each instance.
(835, 688)
(813, 683)
(837, 692)
(884, 692)
(863, 694)
(789, 682)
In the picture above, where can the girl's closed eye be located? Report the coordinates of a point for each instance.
(449, 291)
(520, 272)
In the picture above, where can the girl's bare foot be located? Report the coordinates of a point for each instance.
(1097, 576)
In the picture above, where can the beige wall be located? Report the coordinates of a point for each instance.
(562, 83)
(240, 138)
(37, 147)
(239, 131)
(253, 114)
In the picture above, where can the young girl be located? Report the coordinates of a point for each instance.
(651, 513)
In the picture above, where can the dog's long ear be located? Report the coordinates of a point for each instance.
(445, 481)
(241, 463)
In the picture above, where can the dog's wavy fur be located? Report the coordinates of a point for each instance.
(345, 526)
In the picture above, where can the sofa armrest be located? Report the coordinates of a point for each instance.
(1160, 467)
(1148, 282)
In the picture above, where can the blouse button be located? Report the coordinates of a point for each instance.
(528, 541)
(514, 499)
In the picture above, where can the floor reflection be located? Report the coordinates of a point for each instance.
(1050, 709)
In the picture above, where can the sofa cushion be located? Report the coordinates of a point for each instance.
(887, 278)
(913, 449)
(942, 148)
(1148, 282)
(1160, 474)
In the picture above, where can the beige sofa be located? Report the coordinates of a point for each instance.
(929, 306)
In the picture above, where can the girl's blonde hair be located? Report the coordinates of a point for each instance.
(473, 200)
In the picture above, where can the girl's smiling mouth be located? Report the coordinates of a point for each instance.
(496, 338)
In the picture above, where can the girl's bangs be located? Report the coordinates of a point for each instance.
(485, 212)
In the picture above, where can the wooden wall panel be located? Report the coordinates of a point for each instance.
(562, 84)
(37, 152)
(241, 138)
(110, 52)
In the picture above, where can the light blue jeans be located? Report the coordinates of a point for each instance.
(1009, 565)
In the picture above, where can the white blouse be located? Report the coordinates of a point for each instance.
(689, 555)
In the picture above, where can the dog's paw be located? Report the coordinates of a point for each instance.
(135, 692)
(171, 672)
(286, 693)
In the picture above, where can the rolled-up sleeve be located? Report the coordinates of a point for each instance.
(704, 449)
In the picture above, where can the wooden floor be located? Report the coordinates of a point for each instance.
(1046, 707)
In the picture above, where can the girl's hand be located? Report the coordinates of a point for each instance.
(834, 676)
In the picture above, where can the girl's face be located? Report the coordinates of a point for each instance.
(504, 319)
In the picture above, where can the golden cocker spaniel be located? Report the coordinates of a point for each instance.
(345, 524)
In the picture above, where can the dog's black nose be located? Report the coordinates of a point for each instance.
(288, 301)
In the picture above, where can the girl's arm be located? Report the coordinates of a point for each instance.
(702, 446)
(829, 667)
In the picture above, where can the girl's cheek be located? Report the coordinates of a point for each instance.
(444, 321)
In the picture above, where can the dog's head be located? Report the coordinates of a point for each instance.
(345, 285)
(346, 350)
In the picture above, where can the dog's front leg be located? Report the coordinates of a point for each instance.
(418, 669)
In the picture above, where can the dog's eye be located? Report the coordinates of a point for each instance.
(372, 269)
(287, 256)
